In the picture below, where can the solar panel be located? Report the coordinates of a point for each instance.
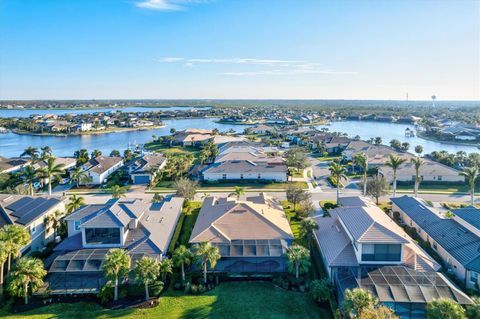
(19, 203)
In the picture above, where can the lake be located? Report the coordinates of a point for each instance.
(13, 144)
(389, 131)
(28, 112)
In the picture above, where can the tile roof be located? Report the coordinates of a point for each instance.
(101, 164)
(459, 242)
(469, 214)
(7, 164)
(239, 166)
(146, 163)
(225, 219)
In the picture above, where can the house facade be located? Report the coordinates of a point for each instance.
(140, 227)
(362, 247)
(100, 168)
(252, 235)
(246, 170)
(143, 170)
(30, 212)
(456, 239)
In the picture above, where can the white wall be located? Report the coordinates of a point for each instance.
(279, 176)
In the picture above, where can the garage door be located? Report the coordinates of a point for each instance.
(141, 179)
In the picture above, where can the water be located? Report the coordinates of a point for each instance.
(28, 112)
(389, 131)
(12, 144)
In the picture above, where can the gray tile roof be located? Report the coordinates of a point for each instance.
(459, 242)
(21, 209)
(368, 224)
(102, 163)
(469, 214)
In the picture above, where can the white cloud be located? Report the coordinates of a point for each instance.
(268, 66)
(167, 5)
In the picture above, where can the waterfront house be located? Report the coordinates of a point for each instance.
(100, 168)
(252, 235)
(246, 170)
(262, 129)
(140, 227)
(13, 164)
(430, 171)
(362, 247)
(144, 169)
(30, 212)
(456, 239)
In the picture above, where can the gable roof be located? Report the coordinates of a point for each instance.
(225, 220)
(459, 242)
(22, 210)
(102, 164)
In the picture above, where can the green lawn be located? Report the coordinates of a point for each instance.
(167, 150)
(229, 300)
(436, 188)
(191, 214)
(294, 221)
(328, 158)
(169, 185)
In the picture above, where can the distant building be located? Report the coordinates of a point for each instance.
(143, 169)
(252, 235)
(100, 168)
(30, 212)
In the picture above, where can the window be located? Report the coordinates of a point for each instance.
(259, 175)
(77, 224)
(102, 236)
(241, 176)
(224, 176)
(413, 177)
(381, 252)
(439, 178)
(33, 229)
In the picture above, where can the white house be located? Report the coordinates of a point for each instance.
(98, 169)
(245, 170)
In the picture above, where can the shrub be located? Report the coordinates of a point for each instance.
(194, 289)
(156, 288)
(106, 293)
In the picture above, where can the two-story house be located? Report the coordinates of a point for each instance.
(140, 227)
(361, 246)
(252, 235)
(30, 212)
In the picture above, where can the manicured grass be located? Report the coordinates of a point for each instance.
(191, 213)
(328, 158)
(296, 172)
(294, 221)
(437, 187)
(174, 150)
(168, 185)
(229, 300)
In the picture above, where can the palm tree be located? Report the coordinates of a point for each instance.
(31, 152)
(96, 153)
(239, 191)
(15, 238)
(29, 174)
(394, 163)
(78, 176)
(337, 171)
(471, 175)
(46, 152)
(4, 253)
(205, 253)
(52, 171)
(307, 226)
(117, 191)
(116, 265)
(166, 267)
(417, 163)
(182, 256)
(146, 272)
(27, 276)
(298, 259)
(362, 161)
(53, 221)
(75, 202)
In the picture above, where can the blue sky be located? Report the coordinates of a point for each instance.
(83, 49)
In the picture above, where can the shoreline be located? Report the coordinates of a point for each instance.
(101, 107)
(19, 132)
(447, 142)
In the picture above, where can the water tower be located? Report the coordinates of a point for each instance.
(434, 97)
